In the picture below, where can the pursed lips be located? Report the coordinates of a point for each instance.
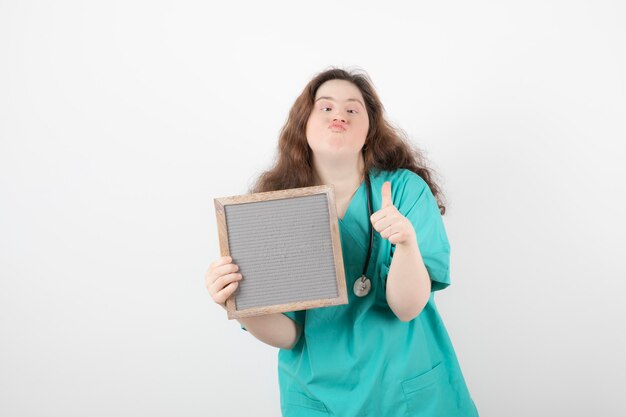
(337, 126)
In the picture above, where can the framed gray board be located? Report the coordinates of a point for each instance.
(287, 246)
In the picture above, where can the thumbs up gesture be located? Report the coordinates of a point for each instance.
(392, 225)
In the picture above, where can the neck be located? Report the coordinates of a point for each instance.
(345, 176)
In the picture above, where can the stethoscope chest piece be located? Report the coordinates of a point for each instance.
(362, 286)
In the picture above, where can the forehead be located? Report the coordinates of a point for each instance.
(339, 90)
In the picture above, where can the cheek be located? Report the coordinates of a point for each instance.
(314, 127)
(360, 131)
(310, 133)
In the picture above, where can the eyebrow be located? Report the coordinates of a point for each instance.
(332, 99)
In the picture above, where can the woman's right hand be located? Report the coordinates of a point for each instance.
(222, 279)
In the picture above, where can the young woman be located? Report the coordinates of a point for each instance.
(387, 352)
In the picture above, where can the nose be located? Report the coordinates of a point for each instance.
(339, 117)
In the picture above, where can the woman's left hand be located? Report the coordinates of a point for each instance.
(392, 225)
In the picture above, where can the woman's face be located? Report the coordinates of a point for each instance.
(338, 124)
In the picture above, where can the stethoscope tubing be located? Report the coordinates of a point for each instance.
(369, 210)
(363, 285)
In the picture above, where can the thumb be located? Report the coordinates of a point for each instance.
(386, 194)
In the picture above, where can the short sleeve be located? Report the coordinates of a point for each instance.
(416, 202)
(297, 316)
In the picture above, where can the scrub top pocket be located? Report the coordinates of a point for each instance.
(297, 404)
(430, 394)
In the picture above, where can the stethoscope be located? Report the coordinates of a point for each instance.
(363, 285)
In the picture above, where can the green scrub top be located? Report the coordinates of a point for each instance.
(359, 359)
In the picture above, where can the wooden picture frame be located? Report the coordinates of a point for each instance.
(288, 248)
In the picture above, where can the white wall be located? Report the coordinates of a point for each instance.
(120, 122)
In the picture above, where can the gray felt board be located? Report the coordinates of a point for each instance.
(283, 249)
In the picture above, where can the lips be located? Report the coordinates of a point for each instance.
(337, 126)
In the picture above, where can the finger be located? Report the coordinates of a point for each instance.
(383, 223)
(391, 217)
(381, 214)
(221, 261)
(388, 231)
(224, 269)
(401, 236)
(396, 238)
(223, 281)
(222, 296)
(386, 195)
(385, 217)
(214, 274)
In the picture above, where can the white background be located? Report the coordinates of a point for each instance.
(120, 122)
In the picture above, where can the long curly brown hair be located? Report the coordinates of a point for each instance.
(386, 147)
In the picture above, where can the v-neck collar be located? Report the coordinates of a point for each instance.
(352, 204)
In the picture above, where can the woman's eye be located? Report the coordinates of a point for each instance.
(352, 111)
(324, 108)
